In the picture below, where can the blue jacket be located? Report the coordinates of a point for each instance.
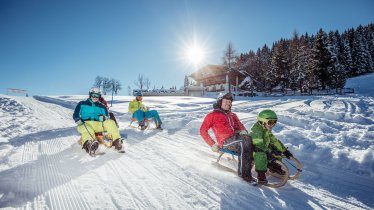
(88, 110)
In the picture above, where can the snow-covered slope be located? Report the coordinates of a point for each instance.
(43, 167)
(362, 85)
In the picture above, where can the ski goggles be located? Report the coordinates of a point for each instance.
(270, 122)
(95, 95)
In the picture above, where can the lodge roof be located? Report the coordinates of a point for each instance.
(212, 71)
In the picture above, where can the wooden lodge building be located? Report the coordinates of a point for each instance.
(216, 78)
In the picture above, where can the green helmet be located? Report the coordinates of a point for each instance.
(266, 115)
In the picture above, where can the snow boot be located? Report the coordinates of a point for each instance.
(158, 126)
(117, 144)
(248, 178)
(261, 178)
(142, 125)
(90, 146)
(274, 167)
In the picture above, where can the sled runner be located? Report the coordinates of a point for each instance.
(147, 124)
(133, 121)
(275, 180)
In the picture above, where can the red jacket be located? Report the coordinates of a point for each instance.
(224, 125)
(103, 101)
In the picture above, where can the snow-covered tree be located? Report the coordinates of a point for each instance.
(362, 61)
(185, 82)
(280, 66)
(321, 59)
(337, 73)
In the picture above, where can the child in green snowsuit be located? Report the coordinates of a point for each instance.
(264, 143)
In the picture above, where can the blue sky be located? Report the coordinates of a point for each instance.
(59, 47)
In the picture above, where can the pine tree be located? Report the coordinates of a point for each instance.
(362, 62)
(345, 56)
(336, 72)
(264, 62)
(185, 82)
(370, 39)
(295, 52)
(280, 66)
(321, 59)
(312, 79)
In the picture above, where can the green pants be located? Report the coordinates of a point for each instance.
(261, 161)
(89, 128)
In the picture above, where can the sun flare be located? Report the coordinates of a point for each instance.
(195, 55)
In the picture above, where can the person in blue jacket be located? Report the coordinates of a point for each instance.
(92, 117)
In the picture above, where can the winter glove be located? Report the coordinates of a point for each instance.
(243, 132)
(288, 154)
(145, 108)
(215, 148)
(79, 122)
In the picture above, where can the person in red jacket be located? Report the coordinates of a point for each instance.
(111, 115)
(230, 134)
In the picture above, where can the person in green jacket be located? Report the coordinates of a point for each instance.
(141, 112)
(265, 143)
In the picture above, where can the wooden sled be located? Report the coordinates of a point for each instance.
(275, 180)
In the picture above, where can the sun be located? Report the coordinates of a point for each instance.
(195, 55)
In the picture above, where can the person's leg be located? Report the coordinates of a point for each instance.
(247, 155)
(242, 146)
(153, 114)
(261, 163)
(112, 129)
(139, 115)
(261, 160)
(87, 131)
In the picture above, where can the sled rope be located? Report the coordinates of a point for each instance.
(293, 165)
(93, 139)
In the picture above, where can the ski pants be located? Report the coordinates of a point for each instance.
(242, 145)
(139, 115)
(89, 128)
(261, 159)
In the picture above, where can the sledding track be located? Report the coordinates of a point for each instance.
(171, 169)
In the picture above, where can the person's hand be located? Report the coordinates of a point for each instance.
(288, 154)
(243, 132)
(79, 122)
(215, 148)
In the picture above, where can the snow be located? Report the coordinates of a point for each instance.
(43, 167)
(361, 85)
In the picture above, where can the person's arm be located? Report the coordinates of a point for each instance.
(133, 107)
(204, 128)
(76, 115)
(240, 124)
(277, 143)
(257, 135)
